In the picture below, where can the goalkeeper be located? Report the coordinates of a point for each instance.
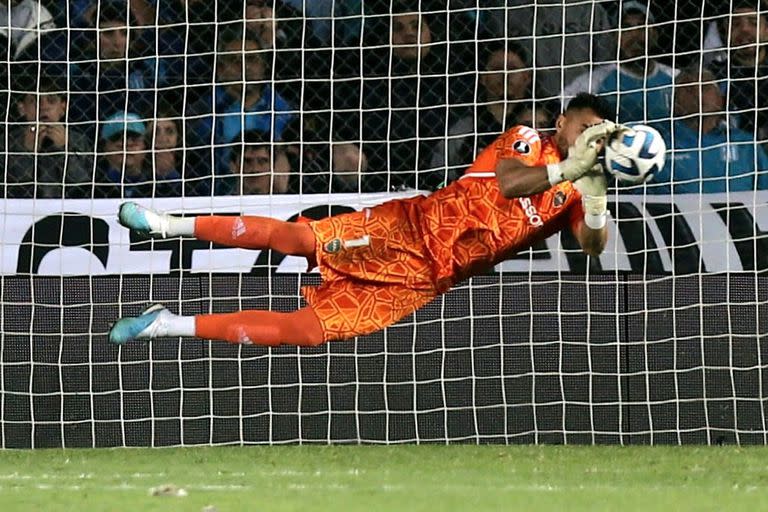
(380, 264)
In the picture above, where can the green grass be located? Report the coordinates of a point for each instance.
(392, 478)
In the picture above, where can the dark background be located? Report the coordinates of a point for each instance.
(510, 359)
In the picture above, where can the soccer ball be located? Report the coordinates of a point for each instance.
(635, 156)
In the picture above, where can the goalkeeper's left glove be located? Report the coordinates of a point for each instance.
(582, 156)
(594, 196)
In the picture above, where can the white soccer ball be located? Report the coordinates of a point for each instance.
(635, 156)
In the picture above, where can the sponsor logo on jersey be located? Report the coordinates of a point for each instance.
(534, 219)
(521, 147)
(559, 199)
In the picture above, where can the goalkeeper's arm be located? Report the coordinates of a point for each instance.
(516, 179)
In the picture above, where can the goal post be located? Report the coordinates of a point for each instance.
(659, 340)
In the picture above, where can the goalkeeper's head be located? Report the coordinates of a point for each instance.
(583, 111)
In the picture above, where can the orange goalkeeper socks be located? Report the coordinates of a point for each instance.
(258, 327)
(253, 232)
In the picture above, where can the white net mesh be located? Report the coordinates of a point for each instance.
(293, 107)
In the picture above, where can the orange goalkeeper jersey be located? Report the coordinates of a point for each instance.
(382, 263)
(469, 226)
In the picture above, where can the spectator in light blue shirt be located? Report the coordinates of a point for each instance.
(242, 100)
(638, 87)
(708, 156)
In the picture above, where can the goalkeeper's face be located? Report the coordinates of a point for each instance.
(571, 124)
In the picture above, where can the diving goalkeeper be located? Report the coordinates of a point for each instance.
(380, 264)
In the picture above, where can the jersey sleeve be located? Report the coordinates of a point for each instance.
(521, 143)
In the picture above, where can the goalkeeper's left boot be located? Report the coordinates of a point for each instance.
(154, 322)
(152, 223)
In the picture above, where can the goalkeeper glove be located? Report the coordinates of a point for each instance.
(583, 154)
(594, 189)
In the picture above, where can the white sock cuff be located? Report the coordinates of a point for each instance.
(180, 325)
(181, 226)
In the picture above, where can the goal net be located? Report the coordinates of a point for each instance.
(292, 108)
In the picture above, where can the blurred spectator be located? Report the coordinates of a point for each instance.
(294, 56)
(708, 155)
(22, 22)
(713, 48)
(744, 69)
(262, 25)
(348, 163)
(332, 22)
(242, 100)
(505, 87)
(120, 75)
(638, 87)
(338, 169)
(83, 13)
(123, 170)
(571, 35)
(540, 115)
(165, 137)
(256, 167)
(404, 109)
(196, 23)
(46, 158)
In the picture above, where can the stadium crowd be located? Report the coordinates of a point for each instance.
(162, 98)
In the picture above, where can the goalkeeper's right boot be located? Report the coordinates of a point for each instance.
(151, 323)
(143, 220)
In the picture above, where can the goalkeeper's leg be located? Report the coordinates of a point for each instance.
(255, 327)
(248, 232)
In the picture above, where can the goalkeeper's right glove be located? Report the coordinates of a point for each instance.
(583, 154)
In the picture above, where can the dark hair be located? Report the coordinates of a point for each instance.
(753, 5)
(234, 32)
(113, 11)
(726, 11)
(251, 139)
(26, 80)
(535, 107)
(596, 104)
(167, 111)
(405, 7)
(507, 46)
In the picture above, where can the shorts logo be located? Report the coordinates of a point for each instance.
(559, 199)
(238, 228)
(333, 246)
(521, 147)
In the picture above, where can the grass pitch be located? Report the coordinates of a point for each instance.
(387, 478)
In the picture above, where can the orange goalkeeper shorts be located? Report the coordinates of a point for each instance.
(375, 271)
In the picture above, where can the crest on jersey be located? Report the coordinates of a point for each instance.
(333, 246)
(559, 199)
(521, 147)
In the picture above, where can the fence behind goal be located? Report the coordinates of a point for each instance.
(662, 339)
(474, 366)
